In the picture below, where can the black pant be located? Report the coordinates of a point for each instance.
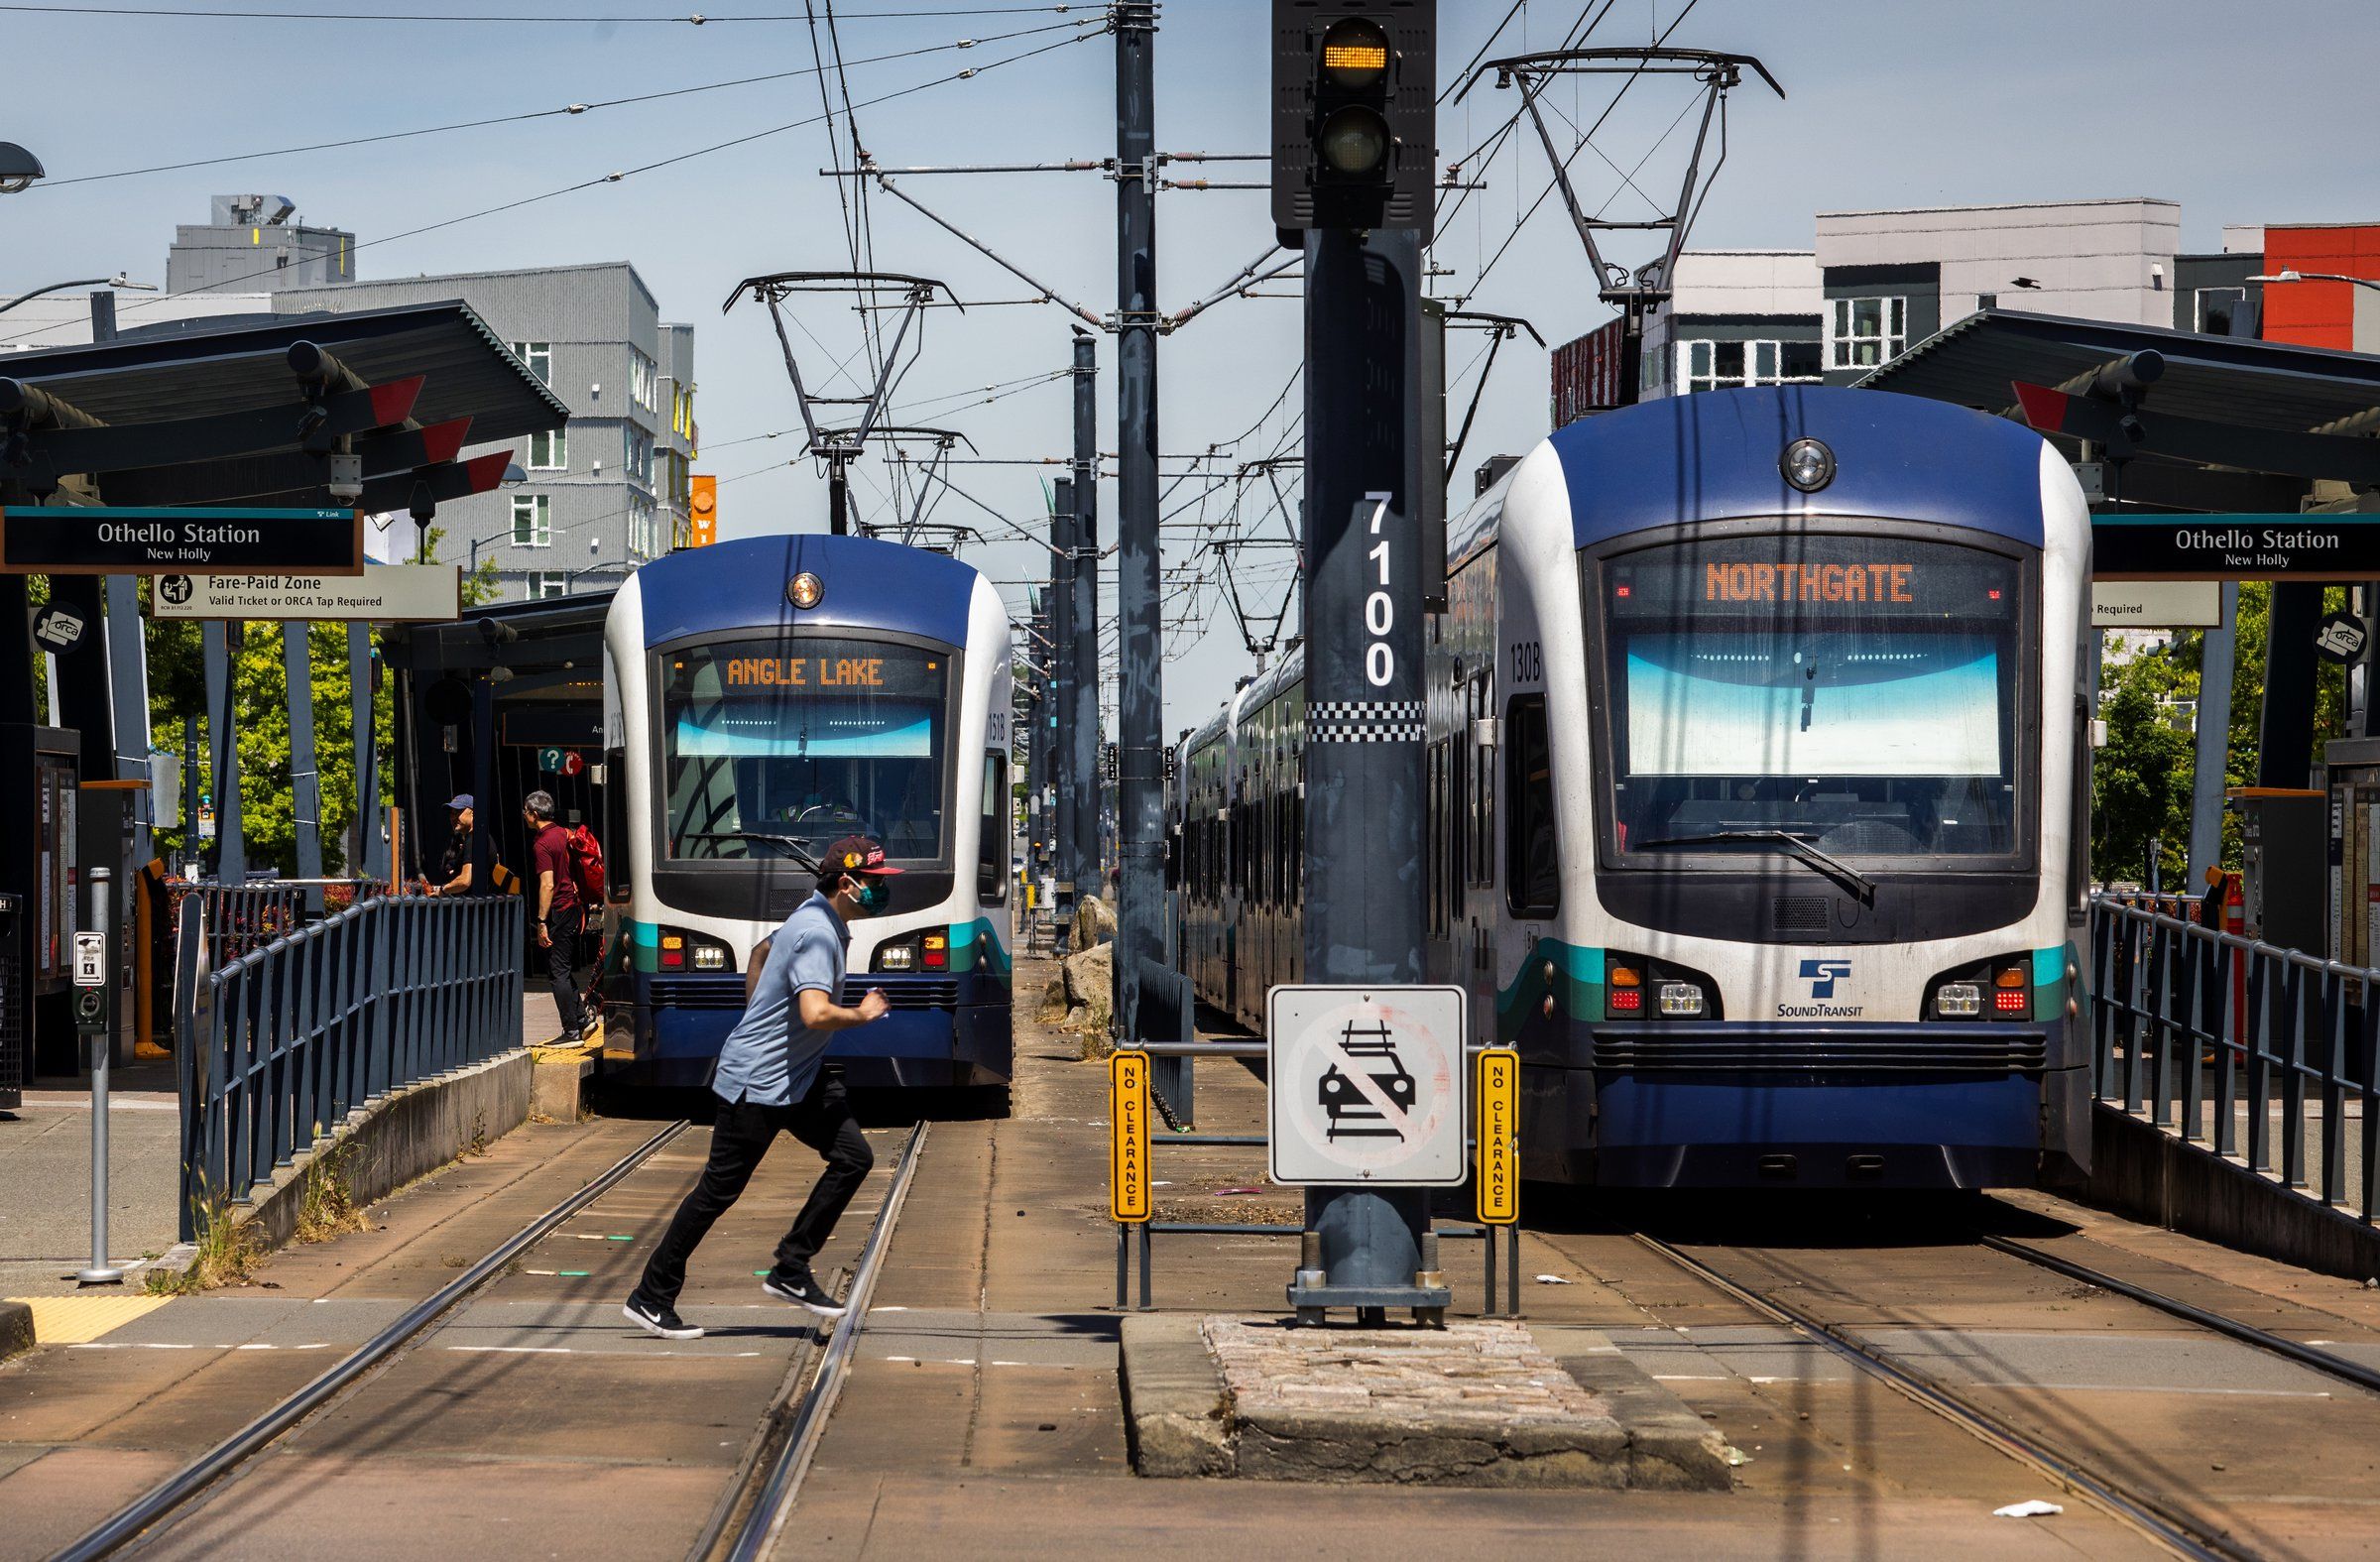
(563, 924)
(742, 1135)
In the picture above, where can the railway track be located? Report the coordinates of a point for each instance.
(744, 1525)
(163, 1502)
(2155, 1520)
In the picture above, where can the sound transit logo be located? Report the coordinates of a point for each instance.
(1822, 975)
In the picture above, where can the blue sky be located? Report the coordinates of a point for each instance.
(2242, 115)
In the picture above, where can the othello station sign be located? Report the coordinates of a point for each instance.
(104, 539)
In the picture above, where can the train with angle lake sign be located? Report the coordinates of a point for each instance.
(1756, 801)
(766, 697)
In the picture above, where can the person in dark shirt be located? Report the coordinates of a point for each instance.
(454, 864)
(560, 918)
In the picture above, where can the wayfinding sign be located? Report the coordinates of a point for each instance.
(2236, 546)
(382, 595)
(110, 540)
(1365, 1085)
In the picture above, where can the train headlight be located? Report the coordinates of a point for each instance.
(1958, 1001)
(1680, 1000)
(896, 957)
(684, 951)
(710, 957)
(807, 591)
(1808, 465)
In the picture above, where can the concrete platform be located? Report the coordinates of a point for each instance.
(1480, 1404)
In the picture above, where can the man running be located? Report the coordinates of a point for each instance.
(768, 1080)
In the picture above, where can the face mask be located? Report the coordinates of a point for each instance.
(874, 898)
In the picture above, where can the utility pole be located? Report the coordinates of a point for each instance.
(1083, 645)
(1140, 695)
(1072, 784)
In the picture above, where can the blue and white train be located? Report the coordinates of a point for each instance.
(765, 697)
(1758, 798)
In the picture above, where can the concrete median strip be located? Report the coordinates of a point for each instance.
(1479, 1404)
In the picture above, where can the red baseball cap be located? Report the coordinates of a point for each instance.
(856, 854)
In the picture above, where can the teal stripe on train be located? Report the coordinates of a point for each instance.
(978, 941)
(1577, 986)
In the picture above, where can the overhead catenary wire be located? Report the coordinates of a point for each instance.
(568, 111)
(614, 178)
(690, 19)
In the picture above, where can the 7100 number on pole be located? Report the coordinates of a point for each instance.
(1380, 609)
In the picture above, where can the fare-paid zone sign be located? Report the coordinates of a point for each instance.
(108, 539)
(1365, 1085)
(1128, 1149)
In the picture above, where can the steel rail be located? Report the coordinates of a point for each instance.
(2323, 1362)
(773, 1503)
(160, 1501)
(2144, 1514)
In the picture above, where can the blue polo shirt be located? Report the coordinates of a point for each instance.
(770, 1057)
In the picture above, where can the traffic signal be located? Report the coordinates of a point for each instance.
(703, 509)
(1355, 113)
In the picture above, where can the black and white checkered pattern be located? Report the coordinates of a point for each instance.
(1359, 721)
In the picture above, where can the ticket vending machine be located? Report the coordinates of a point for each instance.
(40, 767)
(2285, 839)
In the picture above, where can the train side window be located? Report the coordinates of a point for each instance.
(1433, 849)
(992, 849)
(1483, 818)
(1533, 876)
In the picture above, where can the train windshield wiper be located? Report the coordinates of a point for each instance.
(794, 846)
(1828, 863)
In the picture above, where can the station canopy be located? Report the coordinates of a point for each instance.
(174, 415)
(2220, 422)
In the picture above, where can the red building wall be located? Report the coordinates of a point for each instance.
(2317, 313)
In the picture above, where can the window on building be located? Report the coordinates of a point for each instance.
(2217, 307)
(541, 583)
(1864, 332)
(643, 380)
(533, 520)
(548, 451)
(538, 357)
(1716, 365)
(644, 535)
(638, 447)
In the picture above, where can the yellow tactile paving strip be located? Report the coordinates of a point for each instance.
(79, 1320)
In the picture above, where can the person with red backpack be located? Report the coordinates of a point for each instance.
(557, 916)
(587, 871)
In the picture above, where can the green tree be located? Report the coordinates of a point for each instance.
(2140, 780)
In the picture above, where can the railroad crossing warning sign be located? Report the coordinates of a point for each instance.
(1499, 1094)
(1128, 1154)
(1365, 1085)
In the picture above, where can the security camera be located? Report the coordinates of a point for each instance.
(346, 477)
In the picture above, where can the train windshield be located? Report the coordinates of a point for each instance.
(1853, 694)
(803, 741)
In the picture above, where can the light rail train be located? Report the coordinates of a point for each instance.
(1756, 801)
(765, 697)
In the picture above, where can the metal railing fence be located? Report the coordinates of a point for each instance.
(2226, 1041)
(279, 1043)
(244, 916)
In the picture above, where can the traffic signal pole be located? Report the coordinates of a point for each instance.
(1354, 162)
(1139, 702)
(1365, 727)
